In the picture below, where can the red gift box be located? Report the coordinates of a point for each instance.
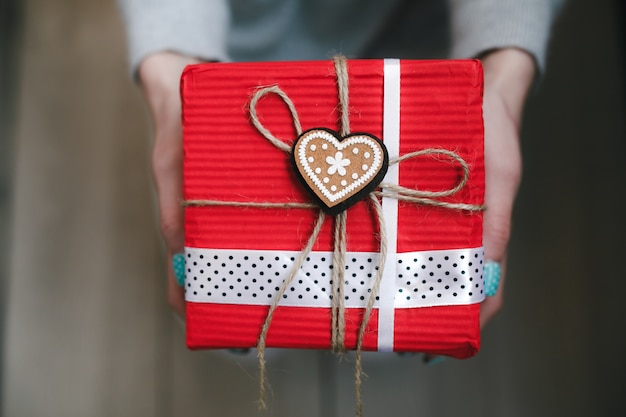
(237, 256)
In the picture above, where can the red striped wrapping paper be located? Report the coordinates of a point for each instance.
(237, 257)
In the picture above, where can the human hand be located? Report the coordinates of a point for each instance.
(160, 80)
(509, 74)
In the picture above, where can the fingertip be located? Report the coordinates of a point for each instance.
(178, 267)
(492, 275)
(432, 360)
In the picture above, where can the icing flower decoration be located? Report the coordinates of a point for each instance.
(337, 164)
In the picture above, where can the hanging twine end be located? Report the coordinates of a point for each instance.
(339, 350)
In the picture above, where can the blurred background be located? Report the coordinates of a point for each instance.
(84, 327)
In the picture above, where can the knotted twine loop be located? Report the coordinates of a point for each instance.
(259, 126)
(423, 197)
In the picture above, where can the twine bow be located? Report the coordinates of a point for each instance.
(423, 197)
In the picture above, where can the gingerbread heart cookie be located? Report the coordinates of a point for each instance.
(339, 171)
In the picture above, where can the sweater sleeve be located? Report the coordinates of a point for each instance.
(196, 28)
(482, 25)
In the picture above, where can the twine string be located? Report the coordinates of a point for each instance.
(339, 268)
(422, 197)
(358, 365)
(433, 194)
(283, 288)
(341, 71)
(339, 250)
(248, 204)
(426, 197)
(262, 129)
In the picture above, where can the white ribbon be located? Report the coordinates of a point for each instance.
(391, 138)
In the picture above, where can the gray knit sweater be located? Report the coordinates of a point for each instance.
(262, 30)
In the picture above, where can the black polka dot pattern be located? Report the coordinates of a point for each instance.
(421, 279)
